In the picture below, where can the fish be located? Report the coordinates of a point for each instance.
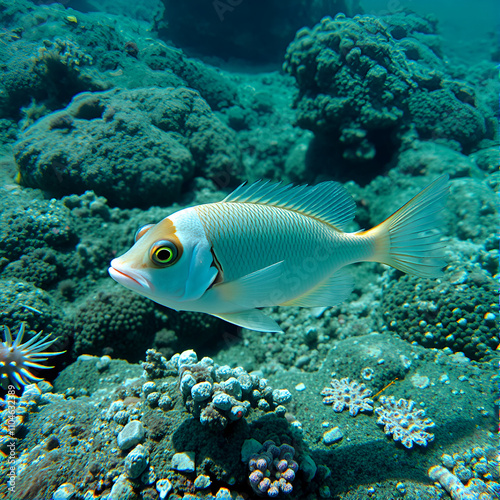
(269, 244)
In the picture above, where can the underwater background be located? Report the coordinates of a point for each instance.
(116, 114)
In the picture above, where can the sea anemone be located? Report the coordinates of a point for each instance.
(16, 358)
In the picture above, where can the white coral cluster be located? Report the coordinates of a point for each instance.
(406, 424)
(344, 393)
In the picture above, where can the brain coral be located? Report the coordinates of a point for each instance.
(118, 321)
(460, 311)
(135, 147)
(364, 81)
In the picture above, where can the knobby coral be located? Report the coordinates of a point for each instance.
(16, 358)
(273, 469)
(470, 474)
(219, 395)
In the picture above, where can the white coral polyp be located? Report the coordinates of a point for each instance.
(344, 393)
(404, 423)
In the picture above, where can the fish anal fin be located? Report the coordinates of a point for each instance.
(253, 319)
(330, 292)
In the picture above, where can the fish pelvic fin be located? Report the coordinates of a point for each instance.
(410, 239)
(253, 319)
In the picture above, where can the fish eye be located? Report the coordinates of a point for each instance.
(142, 231)
(163, 253)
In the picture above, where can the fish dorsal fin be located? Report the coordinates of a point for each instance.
(327, 201)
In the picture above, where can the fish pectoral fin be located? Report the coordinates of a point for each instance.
(252, 290)
(253, 319)
(330, 292)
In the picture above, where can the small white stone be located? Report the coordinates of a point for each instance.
(136, 461)
(332, 436)
(300, 387)
(163, 487)
(420, 381)
(202, 482)
(65, 492)
(184, 462)
(131, 435)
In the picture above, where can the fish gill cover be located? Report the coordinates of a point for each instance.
(115, 115)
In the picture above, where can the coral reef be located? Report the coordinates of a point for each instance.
(364, 82)
(272, 469)
(381, 91)
(52, 72)
(24, 303)
(406, 424)
(83, 435)
(474, 210)
(157, 366)
(170, 135)
(37, 224)
(36, 237)
(215, 394)
(343, 393)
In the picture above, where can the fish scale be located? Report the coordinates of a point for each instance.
(273, 234)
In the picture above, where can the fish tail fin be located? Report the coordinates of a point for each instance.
(410, 239)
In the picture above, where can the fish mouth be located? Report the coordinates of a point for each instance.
(129, 279)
